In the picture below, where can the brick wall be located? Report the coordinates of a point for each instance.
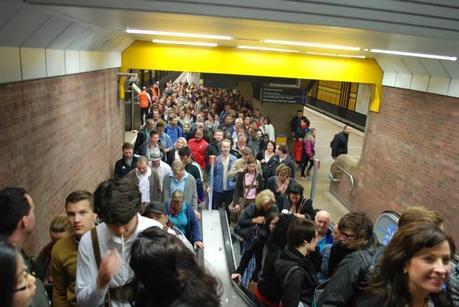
(58, 135)
(410, 157)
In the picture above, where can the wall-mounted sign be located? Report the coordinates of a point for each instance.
(282, 95)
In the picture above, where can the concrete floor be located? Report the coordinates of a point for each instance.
(326, 129)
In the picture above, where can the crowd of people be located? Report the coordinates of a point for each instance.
(132, 242)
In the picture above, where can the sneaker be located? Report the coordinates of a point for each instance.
(302, 177)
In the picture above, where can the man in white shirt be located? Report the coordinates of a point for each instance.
(162, 168)
(148, 180)
(103, 269)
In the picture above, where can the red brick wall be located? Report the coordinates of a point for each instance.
(58, 135)
(410, 156)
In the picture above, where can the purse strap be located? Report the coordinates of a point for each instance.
(96, 248)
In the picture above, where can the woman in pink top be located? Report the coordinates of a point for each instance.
(248, 184)
(308, 153)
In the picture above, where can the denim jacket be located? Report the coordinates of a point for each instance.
(218, 174)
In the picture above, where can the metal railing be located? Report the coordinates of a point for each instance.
(351, 178)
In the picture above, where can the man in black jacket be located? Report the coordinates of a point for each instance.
(339, 142)
(295, 269)
(214, 146)
(127, 163)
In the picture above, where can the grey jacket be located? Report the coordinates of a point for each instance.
(190, 192)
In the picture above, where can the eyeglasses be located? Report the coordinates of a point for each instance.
(346, 236)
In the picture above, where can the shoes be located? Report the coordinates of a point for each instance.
(302, 177)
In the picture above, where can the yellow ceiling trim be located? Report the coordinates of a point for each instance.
(146, 55)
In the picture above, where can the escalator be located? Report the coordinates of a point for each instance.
(219, 258)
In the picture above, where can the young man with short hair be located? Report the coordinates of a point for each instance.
(103, 271)
(127, 163)
(79, 208)
(295, 268)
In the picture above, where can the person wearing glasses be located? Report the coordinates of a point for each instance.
(356, 232)
(17, 222)
(17, 288)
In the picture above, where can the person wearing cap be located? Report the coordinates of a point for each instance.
(181, 215)
(156, 211)
(157, 164)
(148, 181)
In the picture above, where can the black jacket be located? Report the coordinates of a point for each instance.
(268, 168)
(291, 164)
(352, 274)
(339, 252)
(296, 274)
(305, 207)
(339, 144)
(121, 167)
(369, 299)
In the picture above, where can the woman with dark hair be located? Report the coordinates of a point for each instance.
(268, 291)
(17, 287)
(256, 248)
(413, 271)
(295, 203)
(166, 273)
(269, 160)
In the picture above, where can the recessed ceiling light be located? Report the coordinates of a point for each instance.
(311, 44)
(337, 55)
(413, 54)
(267, 49)
(178, 34)
(201, 44)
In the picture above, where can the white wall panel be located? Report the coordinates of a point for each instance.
(10, 65)
(33, 63)
(110, 59)
(363, 98)
(90, 60)
(403, 80)
(389, 79)
(420, 83)
(454, 88)
(72, 61)
(55, 62)
(439, 85)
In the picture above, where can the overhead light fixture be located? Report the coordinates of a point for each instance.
(267, 49)
(413, 54)
(201, 44)
(178, 34)
(311, 44)
(337, 55)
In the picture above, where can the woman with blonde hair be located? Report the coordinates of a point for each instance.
(255, 214)
(173, 155)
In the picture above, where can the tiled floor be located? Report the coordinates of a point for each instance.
(326, 129)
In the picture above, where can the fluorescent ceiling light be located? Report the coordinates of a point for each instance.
(337, 55)
(202, 44)
(420, 55)
(178, 34)
(267, 49)
(311, 44)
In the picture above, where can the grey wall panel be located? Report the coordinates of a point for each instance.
(87, 40)
(65, 38)
(21, 26)
(8, 8)
(49, 31)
